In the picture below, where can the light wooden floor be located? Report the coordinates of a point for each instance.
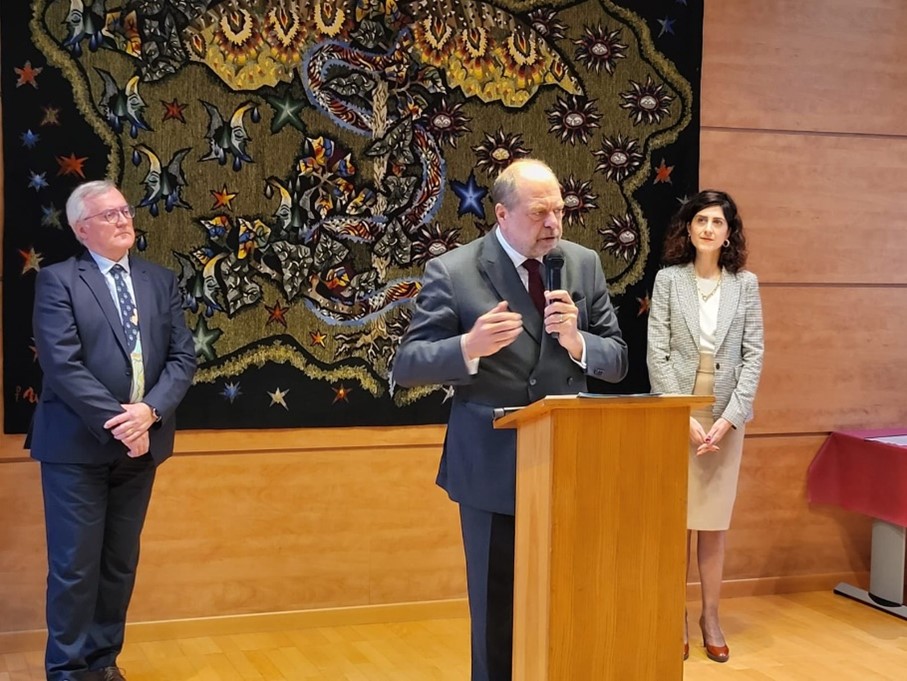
(798, 637)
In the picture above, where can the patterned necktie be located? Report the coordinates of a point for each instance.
(536, 287)
(129, 315)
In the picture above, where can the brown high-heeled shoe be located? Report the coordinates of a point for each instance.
(716, 653)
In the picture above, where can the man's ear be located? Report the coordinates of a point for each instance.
(500, 211)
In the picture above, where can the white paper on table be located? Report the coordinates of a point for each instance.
(900, 440)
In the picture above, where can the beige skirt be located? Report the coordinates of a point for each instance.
(712, 477)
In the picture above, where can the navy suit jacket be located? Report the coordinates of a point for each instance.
(87, 371)
(478, 465)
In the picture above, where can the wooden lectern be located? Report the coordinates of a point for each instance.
(601, 502)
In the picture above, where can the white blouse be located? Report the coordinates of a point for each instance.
(708, 314)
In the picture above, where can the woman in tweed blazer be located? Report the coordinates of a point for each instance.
(705, 337)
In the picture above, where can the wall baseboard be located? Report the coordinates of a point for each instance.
(769, 586)
(21, 641)
(227, 625)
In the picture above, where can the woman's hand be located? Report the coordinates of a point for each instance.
(718, 430)
(702, 440)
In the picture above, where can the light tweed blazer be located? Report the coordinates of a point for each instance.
(673, 350)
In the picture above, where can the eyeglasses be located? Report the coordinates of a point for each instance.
(113, 214)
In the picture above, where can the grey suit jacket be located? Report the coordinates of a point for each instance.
(478, 465)
(87, 371)
(673, 348)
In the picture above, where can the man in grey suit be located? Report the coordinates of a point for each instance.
(117, 359)
(484, 324)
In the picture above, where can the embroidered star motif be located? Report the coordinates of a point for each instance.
(28, 75)
(341, 394)
(29, 139)
(277, 313)
(279, 397)
(663, 173)
(37, 181)
(174, 110)
(71, 165)
(204, 339)
(50, 216)
(470, 194)
(286, 112)
(643, 305)
(223, 198)
(667, 26)
(31, 260)
(51, 116)
(231, 391)
(318, 338)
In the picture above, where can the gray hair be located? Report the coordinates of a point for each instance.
(75, 204)
(505, 184)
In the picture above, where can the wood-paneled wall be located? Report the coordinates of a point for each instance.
(802, 123)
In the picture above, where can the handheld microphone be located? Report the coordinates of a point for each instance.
(554, 263)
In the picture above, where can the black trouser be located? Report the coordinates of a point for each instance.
(488, 539)
(93, 517)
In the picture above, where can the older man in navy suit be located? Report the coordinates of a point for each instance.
(117, 359)
(484, 324)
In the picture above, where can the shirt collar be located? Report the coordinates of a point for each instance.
(106, 264)
(517, 257)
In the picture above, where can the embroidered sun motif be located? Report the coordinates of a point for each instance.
(432, 241)
(621, 237)
(648, 103)
(600, 49)
(498, 151)
(579, 199)
(447, 122)
(618, 158)
(545, 21)
(573, 118)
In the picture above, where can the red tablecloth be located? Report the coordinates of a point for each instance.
(861, 475)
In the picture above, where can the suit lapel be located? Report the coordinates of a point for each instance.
(91, 275)
(689, 301)
(730, 296)
(499, 271)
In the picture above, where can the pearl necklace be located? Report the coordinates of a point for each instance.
(705, 296)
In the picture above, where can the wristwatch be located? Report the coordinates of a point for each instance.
(155, 414)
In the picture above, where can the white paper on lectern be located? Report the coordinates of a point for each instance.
(598, 395)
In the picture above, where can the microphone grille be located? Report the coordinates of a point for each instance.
(555, 258)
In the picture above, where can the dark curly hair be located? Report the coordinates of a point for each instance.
(679, 250)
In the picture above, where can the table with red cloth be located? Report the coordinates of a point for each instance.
(859, 473)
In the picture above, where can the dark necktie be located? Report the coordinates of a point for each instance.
(128, 313)
(536, 287)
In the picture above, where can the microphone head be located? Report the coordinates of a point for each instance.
(554, 263)
(555, 258)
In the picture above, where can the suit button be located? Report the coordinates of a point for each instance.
(532, 381)
(569, 380)
(129, 372)
(717, 366)
(667, 357)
